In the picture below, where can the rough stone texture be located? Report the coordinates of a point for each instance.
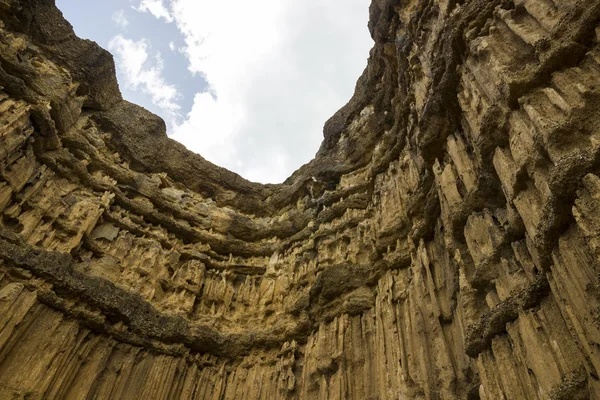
(443, 244)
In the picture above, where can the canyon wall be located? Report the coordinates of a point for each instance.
(444, 243)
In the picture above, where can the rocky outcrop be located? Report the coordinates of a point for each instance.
(444, 243)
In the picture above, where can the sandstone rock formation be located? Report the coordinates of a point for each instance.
(443, 244)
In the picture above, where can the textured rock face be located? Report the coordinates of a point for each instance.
(443, 244)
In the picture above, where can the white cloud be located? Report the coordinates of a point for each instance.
(156, 8)
(145, 73)
(211, 127)
(277, 71)
(172, 46)
(119, 18)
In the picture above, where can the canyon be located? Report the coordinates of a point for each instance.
(444, 243)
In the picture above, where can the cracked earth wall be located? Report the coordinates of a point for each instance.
(444, 243)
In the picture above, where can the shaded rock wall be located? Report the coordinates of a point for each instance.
(444, 243)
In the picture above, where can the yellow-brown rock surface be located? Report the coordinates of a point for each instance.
(443, 244)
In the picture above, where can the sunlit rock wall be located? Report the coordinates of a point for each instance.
(443, 244)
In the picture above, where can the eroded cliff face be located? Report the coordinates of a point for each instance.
(443, 244)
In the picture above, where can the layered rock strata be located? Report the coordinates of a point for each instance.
(443, 244)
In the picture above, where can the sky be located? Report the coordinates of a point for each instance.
(246, 84)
